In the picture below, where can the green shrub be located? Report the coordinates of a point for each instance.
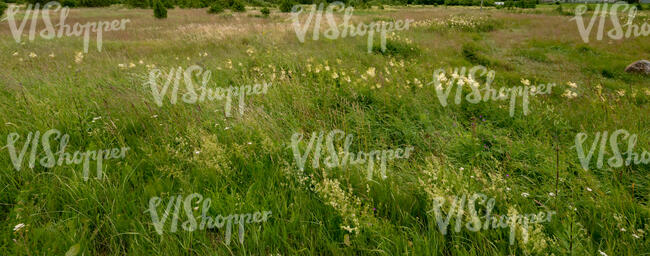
(216, 7)
(191, 4)
(168, 4)
(472, 53)
(286, 5)
(527, 4)
(265, 11)
(137, 3)
(159, 10)
(3, 7)
(396, 48)
(70, 3)
(95, 3)
(238, 6)
(227, 3)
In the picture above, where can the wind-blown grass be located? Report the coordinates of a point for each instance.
(245, 163)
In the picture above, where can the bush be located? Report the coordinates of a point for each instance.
(529, 4)
(216, 7)
(238, 6)
(191, 4)
(265, 11)
(95, 3)
(286, 6)
(168, 4)
(396, 48)
(73, 3)
(70, 3)
(159, 10)
(137, 3)
(3, 7)
(472, 53)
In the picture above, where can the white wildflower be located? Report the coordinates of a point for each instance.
(79, 57)
(572, 85)
(371, 72)
(19, 226)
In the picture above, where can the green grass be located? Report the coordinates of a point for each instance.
(245, 163)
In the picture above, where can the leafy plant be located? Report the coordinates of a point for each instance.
(159, 10)
(169, 4)
(137, 3)
(286, 6)
(265, 11)
(216, 7)
(70, 3)
(238, 6)
(3, 7)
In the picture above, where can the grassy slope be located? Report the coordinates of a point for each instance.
(107, 217)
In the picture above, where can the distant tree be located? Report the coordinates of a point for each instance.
(286, 5)
(138, 3)
(191, 4)
(40, 2)
(265, 11)
(95, 3)
(238, 6)
(70, 3)
(216, 7)
(3, 7)
(169, 4)
(159, 10)
(73, 3)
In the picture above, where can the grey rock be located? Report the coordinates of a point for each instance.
(641, 67)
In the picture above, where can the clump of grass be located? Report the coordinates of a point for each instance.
(396, 48)
(471, 52)
(535, 54)
(561, 11)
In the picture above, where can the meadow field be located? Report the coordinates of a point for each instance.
(247, 156)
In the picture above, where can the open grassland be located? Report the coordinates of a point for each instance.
(245, 162)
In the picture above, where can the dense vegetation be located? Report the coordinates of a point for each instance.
(208, 3)
(245, 163)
